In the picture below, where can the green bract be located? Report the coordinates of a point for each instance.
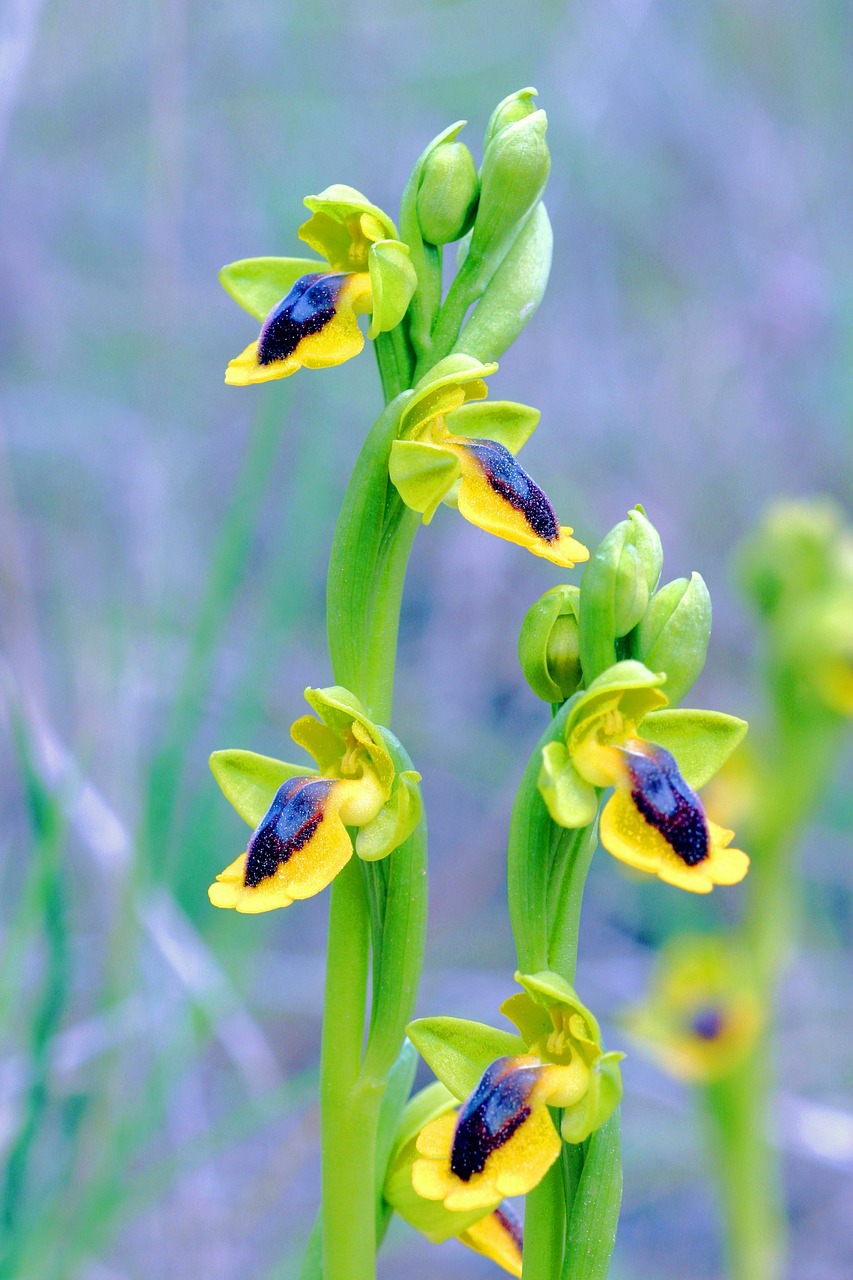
(673, 634)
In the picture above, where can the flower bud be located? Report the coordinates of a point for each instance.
(549, 645)
(448, 193)
(514, 107)
(616, 589)
(673, 634)
(515, 169)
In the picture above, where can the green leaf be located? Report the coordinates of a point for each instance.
(591, 1230)
(459, 1051)
(393, 281)
(508, 423)
(259, 284)
(423, 474)
(249, 781)
(701, 741)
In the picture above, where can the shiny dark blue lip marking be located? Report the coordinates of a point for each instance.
(511, 1225)
(708, 1023)
(497, 1107)
(288, 825)
(668, 804)
(308, 308)
(513, 484)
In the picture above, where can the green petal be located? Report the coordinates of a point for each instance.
(530, 1018)
(452, 375)
(508, 423)
(571, 801)
(548, 988)
(701, 741)
(249, 781)
(392, 281)
(599, 1102)
(259, 284)
(395, 822)
(459, 1051)
(423, 473)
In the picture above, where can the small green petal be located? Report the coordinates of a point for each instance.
(531, 1018)
(259, 284)
(393, 282)
(394, 823)
(571, 801)
(423, 474)
(636, 688)
(249, 781)
(597, 1105)
(701, 741)
(508, 423)
(459, 1051)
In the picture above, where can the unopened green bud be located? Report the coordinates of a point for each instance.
(448, 193)
(616, 589)
(549, 645)
(515, 169)
(513, 294)
(799, 549)
(514, 107)
(673, 634)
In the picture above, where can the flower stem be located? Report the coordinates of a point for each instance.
(382, 906)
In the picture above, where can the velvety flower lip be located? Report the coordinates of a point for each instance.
(655, 822)
(313, 327)
(502, 1143)
(498, 1236)
(498, 495)
(298, 848)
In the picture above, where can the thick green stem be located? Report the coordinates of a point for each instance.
(366, 575)
(544, 1227)
(348, 1115)
(748, 1172)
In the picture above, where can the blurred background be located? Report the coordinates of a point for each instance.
(163, 543)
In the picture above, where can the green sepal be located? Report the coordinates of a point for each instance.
(571, 801)
(392, 281)
(459, 1051)
(504, 421)
(548, 988)
(599, 1102)
(422, 474)
(514, 293)
(330, 232)
(343, 717)
(395, 821)
(448, 385)
(673, 634)
(259, 284)
(249, 781)
(628, 685)
(701, 741)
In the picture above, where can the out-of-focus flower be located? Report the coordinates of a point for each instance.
(703, 1014)
(309, 308)
(618, 735)
(462, 453)
(300, 816)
